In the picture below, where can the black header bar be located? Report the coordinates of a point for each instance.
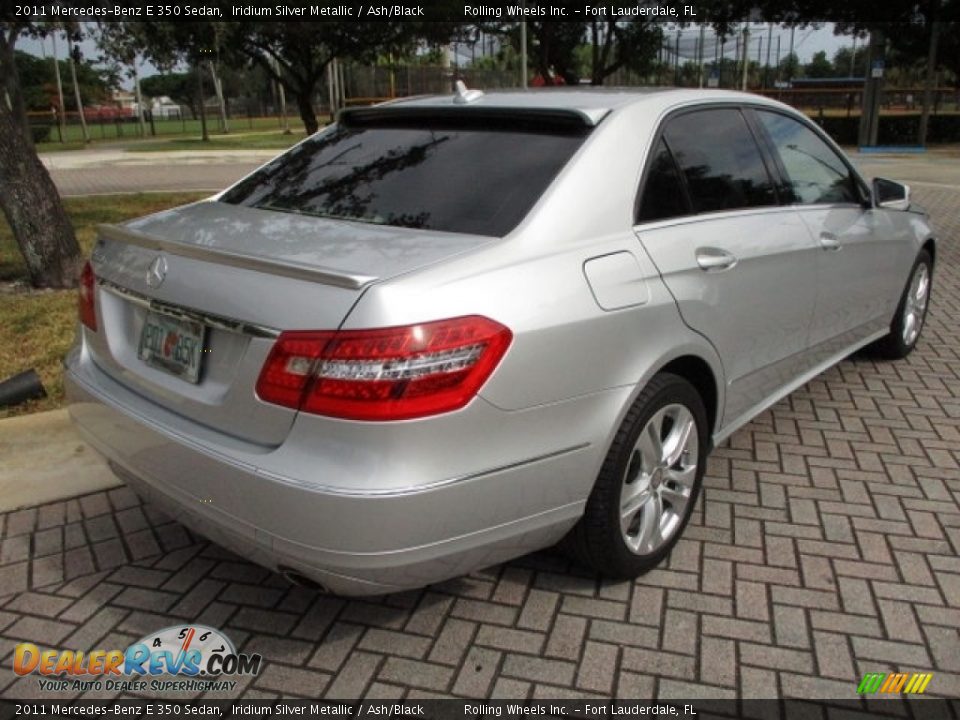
(624, 709)
(460, 11)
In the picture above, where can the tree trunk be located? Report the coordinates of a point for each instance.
(218, 89)
(204, 135)
(79, 100)
(28, 197)
(600, 68)
(305, 106)
(139, 96)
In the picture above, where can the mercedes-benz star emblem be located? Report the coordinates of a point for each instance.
(157, 272)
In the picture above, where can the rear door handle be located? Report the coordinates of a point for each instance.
(829, 241)
(709, 258)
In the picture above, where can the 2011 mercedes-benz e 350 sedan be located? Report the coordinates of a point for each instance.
(448, 331)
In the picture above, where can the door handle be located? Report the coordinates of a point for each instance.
(709, 258)
(829, 241)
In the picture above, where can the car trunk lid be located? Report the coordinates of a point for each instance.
(236, 276)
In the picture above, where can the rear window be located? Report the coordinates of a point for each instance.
(450, 176)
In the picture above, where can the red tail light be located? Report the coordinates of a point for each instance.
(289, 367)
(387, 374)
(87, 302)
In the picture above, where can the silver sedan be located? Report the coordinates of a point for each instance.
(448, 331)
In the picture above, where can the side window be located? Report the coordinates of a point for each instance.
(815, 173)
(720, 159)
(663, 194)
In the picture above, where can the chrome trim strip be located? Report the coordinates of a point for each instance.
(214, 321)
(325, 276)
(417, 489)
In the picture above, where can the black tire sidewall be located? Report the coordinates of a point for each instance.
(665, 389)
(897, 347)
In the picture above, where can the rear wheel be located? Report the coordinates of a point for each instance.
(649, 482)
(911, 313)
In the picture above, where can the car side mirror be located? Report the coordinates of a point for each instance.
(890, 195)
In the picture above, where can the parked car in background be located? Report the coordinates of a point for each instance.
(449, 331)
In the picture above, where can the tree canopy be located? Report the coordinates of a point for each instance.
(39, 83)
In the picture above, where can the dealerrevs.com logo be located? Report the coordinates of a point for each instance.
(190, 657)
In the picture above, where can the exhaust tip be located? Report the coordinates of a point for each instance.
(295, 578)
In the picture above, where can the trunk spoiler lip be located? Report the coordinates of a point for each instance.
(572, 117)
(323, 275)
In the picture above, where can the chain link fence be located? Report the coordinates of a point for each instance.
(368, 84)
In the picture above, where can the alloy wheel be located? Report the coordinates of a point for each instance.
(915, 305)
(659, 480)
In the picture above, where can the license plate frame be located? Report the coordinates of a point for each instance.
(184, 357)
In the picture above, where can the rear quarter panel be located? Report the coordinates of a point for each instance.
(565, 345)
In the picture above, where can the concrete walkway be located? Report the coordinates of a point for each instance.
(44, 460)
(96, 172)
(937, 169)
(118, 157)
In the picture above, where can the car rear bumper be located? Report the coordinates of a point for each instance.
(331, 525)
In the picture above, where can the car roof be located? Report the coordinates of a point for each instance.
(592, 103)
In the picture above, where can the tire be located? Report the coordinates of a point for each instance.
(655, 499)
(911, 314)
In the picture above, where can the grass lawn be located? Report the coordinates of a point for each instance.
(249, 132)
(245, 141)
(273, 139)
(37, 327)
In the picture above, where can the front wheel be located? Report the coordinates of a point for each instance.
(911, 313)
(649, 482)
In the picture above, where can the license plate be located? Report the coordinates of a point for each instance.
(173, 345)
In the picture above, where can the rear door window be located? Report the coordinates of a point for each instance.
(720, 160)
(465, 177)
(663, 195)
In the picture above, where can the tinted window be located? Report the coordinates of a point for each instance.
(720, 160)
(467, 179)
(815, 173)
(663, 193)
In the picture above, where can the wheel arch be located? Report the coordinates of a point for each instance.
(697, 371)
(930, 245)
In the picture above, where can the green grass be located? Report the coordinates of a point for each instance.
(129, 132)
(248, 141)
(37, 327)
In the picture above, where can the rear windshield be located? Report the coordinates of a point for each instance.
(472, 178)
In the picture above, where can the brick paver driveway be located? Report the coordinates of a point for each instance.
(826, 546)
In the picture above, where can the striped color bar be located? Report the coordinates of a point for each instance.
(894, 683)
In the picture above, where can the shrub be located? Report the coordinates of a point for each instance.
(41, 133)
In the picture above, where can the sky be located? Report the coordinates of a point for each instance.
(806, 42)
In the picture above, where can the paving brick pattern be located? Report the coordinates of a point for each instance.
(825, 546)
